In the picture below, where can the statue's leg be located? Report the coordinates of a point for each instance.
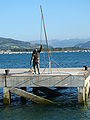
(34, 68)
(38, 68)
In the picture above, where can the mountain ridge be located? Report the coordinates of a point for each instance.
(83, 45)
(12, 44)
(64, 43)
(18, 45)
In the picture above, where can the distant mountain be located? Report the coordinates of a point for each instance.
(12, 44)
(66, 43)
(63, 43)
(17, 45)
(83, 45)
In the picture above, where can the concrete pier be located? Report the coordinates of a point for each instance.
(81, 95)
(60, 77)
(6, 96)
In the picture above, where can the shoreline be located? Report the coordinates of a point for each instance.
(25, 52)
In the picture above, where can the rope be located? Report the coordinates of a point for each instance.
(33, 77)
(62, 80)
(35, 83)
(44, 69)
(59, 66)
(17, 85)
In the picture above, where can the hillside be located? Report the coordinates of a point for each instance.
(15, 45)
(83, 45)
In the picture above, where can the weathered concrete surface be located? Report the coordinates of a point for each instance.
(43, 71)
(6, 96)
(60, 77)
(81, 95)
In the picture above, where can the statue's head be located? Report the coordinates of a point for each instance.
(35, 50)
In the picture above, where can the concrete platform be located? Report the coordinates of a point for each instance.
(45, 71)
(56, 77)
(59, 77)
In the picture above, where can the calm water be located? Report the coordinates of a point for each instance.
(67, 108)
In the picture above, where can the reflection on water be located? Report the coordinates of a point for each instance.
(41, 112)
(66, 109)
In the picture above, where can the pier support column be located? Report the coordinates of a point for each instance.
(86, 91)
(81, 95)
(89, 85)
(6, 96)
(23, 100)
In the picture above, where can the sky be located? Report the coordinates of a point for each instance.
(64, 19)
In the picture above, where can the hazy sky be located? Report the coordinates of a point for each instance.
(64, 19)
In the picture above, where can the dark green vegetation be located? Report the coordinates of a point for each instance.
(17, 45)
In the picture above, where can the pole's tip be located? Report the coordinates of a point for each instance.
(40, 7)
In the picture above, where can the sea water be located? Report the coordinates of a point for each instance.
(67, 107)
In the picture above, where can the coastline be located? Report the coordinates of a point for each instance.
(25, 52)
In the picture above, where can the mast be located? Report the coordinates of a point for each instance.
(45, 36)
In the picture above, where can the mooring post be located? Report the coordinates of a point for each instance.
(6, 91)
(81, 95)
(23, 100)
(86, 67)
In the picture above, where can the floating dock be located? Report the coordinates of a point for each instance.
(14, 79)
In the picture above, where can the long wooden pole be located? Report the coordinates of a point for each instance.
(45, 36)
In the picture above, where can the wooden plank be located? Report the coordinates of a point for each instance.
(30, 96)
